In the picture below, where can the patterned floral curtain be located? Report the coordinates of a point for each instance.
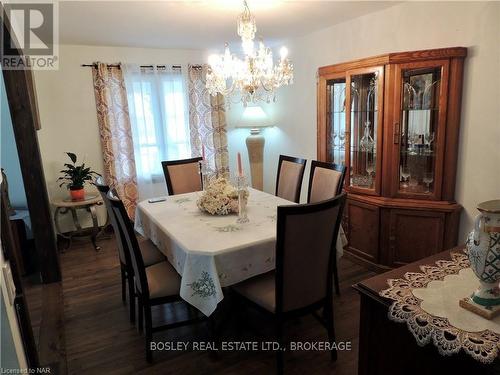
(207, 121)
(116, 134)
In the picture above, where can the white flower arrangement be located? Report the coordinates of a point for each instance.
(219, 197)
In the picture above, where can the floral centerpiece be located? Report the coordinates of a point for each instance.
(219, 197)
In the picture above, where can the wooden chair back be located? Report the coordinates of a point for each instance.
(131, 241)
(120, 242)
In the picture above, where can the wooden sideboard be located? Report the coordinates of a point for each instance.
(393, 121)
(386, 347)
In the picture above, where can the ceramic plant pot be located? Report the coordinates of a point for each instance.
(77, 194)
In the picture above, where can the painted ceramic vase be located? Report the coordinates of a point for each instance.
(483, 245)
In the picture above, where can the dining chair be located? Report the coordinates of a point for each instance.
(302, 282)
(326, 180)
(289, 177)
(150, 253)
(155, 285)
(182, 176)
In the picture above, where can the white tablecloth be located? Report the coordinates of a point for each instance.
(211, 252)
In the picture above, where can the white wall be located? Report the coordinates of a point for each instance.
(404, 27)
(67, 105)
(9, 159)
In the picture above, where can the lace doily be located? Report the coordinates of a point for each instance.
(482, 346)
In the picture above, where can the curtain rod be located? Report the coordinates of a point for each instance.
(142, 66)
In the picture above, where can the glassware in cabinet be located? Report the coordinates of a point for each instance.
(364, 123)
(419, 126)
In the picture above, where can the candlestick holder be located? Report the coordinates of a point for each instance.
(241, 186)
(206, 174)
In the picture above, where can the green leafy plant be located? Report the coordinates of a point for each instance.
(75, 176)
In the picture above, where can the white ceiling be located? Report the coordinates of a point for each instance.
(203, 24)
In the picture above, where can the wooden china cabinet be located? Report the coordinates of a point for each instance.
(393, 121)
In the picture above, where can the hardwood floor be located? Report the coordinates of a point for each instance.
(100, 339)
(44, 303)
(33, 293)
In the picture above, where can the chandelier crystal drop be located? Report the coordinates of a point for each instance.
(253, 78)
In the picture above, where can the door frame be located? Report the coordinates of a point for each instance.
(19, 299)
(21, 96)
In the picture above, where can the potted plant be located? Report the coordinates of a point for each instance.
(75, 177)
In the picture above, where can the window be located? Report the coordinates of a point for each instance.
(159, 116)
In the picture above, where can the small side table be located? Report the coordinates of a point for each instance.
(63, 206)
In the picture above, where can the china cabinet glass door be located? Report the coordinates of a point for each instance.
(336, 121)
(365, 94)
(421, 121)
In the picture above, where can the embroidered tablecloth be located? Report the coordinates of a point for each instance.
(211, 252)
(428, 302)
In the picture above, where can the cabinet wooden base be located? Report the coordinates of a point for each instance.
(387, 233)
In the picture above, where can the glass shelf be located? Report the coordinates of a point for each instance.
(419, 189)
(419, 109)
(338, 148)
(362, 150)
(419, 153)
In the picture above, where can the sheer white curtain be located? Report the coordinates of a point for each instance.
(158, 109)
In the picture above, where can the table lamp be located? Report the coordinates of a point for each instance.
(255, 118)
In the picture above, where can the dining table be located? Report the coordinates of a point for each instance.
(211, 252)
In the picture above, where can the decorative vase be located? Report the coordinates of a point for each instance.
(483, 245)
(77, 194)
(367, 143)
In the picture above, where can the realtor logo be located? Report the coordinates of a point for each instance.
(35, 29)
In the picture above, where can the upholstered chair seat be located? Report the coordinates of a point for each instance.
(326, 180)
(182, 176)
(150, 253)
(163, 280)
(289, 178)
(260, 290)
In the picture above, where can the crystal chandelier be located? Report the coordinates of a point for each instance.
(253, 78)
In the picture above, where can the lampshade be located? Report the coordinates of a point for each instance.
(254, 117)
